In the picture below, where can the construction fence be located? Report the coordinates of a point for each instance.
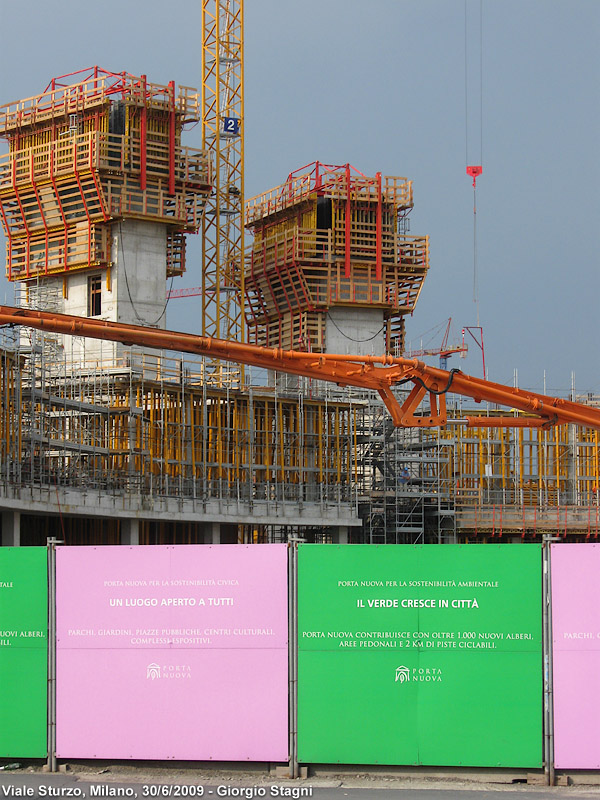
(189, 653)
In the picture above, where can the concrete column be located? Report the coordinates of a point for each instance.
(130, 531)
(339, 534)
(11, 528)
(212, 533)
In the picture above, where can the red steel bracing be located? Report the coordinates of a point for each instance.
(348, 224)
(71, 92)
(292, 266)
(24, 218)
(272, 293)
(259, 292)
(317, 177)
(280, 278)
(172, 138)
(143, 136)
(379, 373)
(9, 239)
(89, 72)
(85, 205)
(43, 217)
(254, 321)
(310, 306)
(378, 229)
(17, 195)
(100, 193)
(59, 204)
(123, 80)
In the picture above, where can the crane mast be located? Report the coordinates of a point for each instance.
(222, 295)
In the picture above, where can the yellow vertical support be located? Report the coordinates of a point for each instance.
(349, 442)
(557, 458)
(320, 442)
(237, 455)
(503, 437)
(338, 455)
(209, 440)
(540, 462)
(268, 460)
(295, 426)
(141, 467)
(521, 456)
(219, 435)
(355, 455)
(281, 442)
(596, 482)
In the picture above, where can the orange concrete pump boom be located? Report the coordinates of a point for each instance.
(379, 373)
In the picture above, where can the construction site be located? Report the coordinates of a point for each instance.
(108, 442)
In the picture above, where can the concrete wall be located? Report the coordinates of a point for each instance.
(355, 331)
(139, 253)
(133, 292)
(88, 351)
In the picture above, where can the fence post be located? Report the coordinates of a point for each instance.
(293, 653)
(52, 763)
(547, 657)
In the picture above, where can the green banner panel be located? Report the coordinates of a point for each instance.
(427, 654)
(23, 652)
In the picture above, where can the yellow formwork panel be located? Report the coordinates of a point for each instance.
(227, 437)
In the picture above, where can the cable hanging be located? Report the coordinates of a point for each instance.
(140, 319)
(345, 335)
(474, 170)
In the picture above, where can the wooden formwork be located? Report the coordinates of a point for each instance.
(329, 238)
(91, 90)
(83, 155)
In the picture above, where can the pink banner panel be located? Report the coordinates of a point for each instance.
(576, 655)
(172, 652)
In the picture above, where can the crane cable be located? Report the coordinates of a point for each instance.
(474, 171)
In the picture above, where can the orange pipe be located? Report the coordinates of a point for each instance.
(507, 422)
(379, 373)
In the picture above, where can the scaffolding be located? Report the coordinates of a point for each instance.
(525, 481)
(159, 432)
(405, 482)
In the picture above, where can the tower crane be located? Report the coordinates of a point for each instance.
(222, 289)
(444, 351)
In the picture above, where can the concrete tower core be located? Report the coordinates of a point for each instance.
(332, 268)
(96, 197)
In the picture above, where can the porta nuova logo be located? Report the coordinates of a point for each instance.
(153, 671)
(168, 671)
(418, 674)
(402, 674)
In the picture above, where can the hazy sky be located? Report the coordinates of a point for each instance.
(381, 84)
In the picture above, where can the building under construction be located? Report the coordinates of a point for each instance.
(105, 442)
